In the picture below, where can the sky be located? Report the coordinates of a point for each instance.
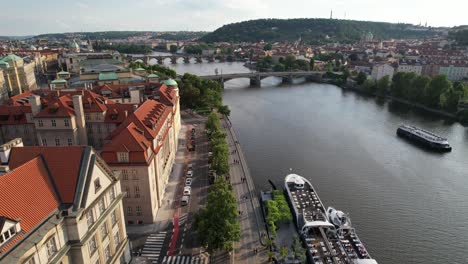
(31, 17)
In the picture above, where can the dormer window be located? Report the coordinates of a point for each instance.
(10, 228)
(123, 156)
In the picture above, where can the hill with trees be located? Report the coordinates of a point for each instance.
(313, 31)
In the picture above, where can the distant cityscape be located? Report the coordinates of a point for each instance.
(99, 138)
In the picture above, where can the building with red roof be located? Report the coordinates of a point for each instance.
(56, 210)
(143, 150)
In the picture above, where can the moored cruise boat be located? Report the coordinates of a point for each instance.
(326, 234)
(424, 137)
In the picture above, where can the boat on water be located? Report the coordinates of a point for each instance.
(423, 137)
(327, 234)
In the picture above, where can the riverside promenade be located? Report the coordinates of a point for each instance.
(251, 219)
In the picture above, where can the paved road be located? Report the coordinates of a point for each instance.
(250, 219)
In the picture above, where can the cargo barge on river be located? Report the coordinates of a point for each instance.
(423, 137)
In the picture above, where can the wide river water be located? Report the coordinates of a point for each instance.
(407, 204)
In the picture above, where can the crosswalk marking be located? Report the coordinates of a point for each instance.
(184, 260)
(153, 246)
(183, 219)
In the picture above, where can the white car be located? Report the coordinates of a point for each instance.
(188, 182)
(190, 173)
(185, 200)
(187, 190)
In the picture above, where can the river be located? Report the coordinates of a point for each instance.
(407, 204)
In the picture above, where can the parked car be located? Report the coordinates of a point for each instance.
(190, 166)
(190, 173)
(193, 130)
(187, 190)
(185, 200)
(188, 182)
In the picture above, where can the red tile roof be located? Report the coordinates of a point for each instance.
(132, 140)
(167, 95)
(13, 115)
(27, 194)
(64, 171)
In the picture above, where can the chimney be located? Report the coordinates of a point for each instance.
(80, 118)
(126, 113)
(135, 96)
(135, 107)
(35, 102)
(5, 149)
(4, 169)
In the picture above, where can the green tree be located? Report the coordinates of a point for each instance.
(382, 86)
(417, 91)
(213, 122)
(312, 64)
(279, 67)
(173, 48)
(224, 110)
(439, 85)
(289, 62)
(369, 86)
(217, 225)
(267, 47)
(361, 78)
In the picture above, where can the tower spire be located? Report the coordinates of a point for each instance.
(331, 14)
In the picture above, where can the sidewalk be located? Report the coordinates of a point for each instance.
(252, 225)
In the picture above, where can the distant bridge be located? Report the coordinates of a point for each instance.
(175, 57)
(256, 77)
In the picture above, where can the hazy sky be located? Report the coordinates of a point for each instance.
(24, 17)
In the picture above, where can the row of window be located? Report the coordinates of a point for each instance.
(90, 219)
(51, 250)
(57, 142)
(128, 194)
(138, 211)
(92, 244)
(53, 122)
(125, 175)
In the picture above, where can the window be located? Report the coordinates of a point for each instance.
(134, 175)
(107, 253)
(97, 185)
(125, 175)
(112, 193)
(104, 231)
(138, 210)
(53, 122)
(92, 245)
(44, 142)
(127, 192)
(116, 239)
(90, 217)
(99, 130)
(123, 156)
(51, 247)
(70, 142)
(66, 122)
(102, 205)
(39, 122)
(32, 260)
(137, 192)
(129, 211)
(57, 142)
(114, 218)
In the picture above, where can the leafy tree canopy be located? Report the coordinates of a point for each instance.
(311, 30)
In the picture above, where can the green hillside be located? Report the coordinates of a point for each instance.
(312, 31)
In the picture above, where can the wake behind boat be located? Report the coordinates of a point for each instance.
(327, 234)
(424, 137)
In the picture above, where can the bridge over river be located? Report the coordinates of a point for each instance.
(256, 77)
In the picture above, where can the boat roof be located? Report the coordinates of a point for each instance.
(424, 133)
